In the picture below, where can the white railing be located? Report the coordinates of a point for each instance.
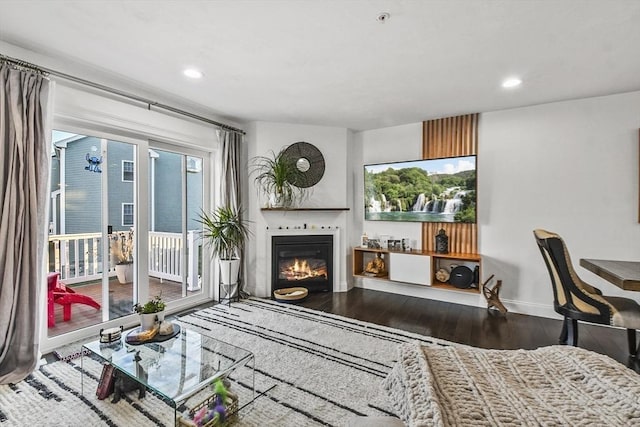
(78, 257)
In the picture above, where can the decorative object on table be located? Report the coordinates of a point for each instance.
(124, 384)
(121, 244)
(461, 277)
(110, 335)
(226, 232)
(275, 175)
(406, 244)
(394, 245)
(150, 312)
(364, 240)
(492, 295)
(308, 161)
(384, 240)
(218, 410)
(373, 244)
(376, 267)
(138, 336)
(442, 242)
(442, 275)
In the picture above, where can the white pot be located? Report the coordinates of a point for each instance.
(147, 321)
(160, 316)
(229, 269)
(124, 272)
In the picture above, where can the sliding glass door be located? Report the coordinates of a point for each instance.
(92, 275)
(176, 181)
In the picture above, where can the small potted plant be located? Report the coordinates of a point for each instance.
(274, 175)
(121, 245)
(150, 311)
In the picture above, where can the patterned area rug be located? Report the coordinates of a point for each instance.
(312, 369)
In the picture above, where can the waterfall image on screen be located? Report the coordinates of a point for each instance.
(433, 190)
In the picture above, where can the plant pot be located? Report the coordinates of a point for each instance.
(124, 272)
(147, 321)
(229, 269)
(160, 316)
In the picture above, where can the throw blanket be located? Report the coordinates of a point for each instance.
(557, 385)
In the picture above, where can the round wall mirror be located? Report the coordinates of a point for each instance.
(303, 164)
(309, 163)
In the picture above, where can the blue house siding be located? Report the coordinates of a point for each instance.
(83, 207)
(119, 192)
(168, 194)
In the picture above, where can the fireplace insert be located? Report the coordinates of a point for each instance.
(302, 260)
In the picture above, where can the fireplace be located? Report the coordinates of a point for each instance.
(302, 260)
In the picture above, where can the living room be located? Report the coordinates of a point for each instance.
(560, 152)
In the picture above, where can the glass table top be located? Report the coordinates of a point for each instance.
(176, 368)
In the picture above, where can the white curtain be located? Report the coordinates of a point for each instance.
(24, 167)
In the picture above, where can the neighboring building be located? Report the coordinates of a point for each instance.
(82, 193)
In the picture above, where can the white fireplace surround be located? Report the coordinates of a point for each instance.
(335, 232)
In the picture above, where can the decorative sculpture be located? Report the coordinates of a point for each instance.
(94, 163)
(492, 295)
(376, 266)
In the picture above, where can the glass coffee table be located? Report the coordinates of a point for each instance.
(175, 369)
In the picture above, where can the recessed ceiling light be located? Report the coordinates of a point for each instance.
(192, 73)
(512, 82)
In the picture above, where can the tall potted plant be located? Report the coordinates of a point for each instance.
(226, 232)
(273, 174)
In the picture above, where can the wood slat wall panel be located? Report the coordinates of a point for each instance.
(450, 137)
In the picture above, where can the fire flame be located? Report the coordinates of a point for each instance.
(300, 270)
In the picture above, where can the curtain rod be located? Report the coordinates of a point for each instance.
(150, 103)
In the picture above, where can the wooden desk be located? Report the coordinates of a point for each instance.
(623, 274)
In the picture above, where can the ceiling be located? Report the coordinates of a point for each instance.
(331, 62)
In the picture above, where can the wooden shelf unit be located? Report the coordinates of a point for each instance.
(363, 255)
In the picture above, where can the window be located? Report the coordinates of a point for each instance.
(127, 171)
(127, 214)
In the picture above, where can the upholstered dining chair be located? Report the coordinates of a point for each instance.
(579, 301)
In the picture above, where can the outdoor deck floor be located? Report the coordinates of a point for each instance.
(120, 303)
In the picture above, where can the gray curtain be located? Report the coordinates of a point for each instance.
(231, 146)
(24, 168)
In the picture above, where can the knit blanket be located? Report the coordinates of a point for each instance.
(557, 385)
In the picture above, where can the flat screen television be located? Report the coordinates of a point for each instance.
(428, 190)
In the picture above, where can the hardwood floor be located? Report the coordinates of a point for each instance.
(467, 325)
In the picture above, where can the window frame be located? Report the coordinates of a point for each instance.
(122, 214)
(133, 171)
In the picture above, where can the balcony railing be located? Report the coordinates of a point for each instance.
(78, 257)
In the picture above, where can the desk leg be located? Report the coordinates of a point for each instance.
(631, 340)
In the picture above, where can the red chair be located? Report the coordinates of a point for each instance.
(58, 293)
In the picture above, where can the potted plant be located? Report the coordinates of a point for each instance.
(150, 311)
(226, 232)
(274, 175)
(121, 245)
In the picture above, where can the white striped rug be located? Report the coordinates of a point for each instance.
(313, 369)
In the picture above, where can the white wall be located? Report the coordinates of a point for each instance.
(570, 167)
(330, 192)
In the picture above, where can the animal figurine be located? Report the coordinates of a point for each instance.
(94, 163)
(492, 295)
(124, 384)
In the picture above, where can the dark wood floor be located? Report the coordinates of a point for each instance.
(467, 325)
